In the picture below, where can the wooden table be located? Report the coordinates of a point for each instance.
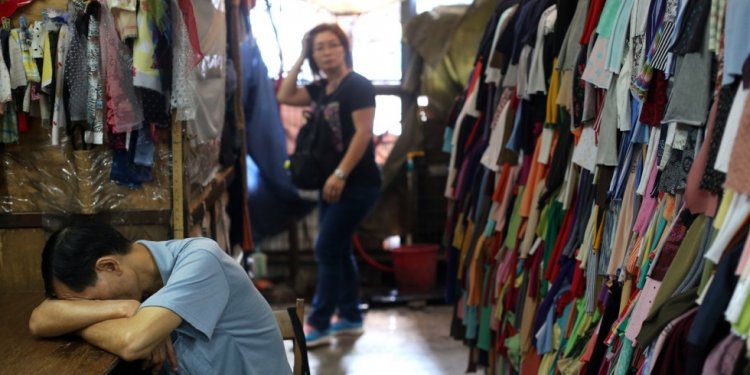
(20, 353)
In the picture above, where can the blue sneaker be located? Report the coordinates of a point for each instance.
(317, 338)
(345, 327)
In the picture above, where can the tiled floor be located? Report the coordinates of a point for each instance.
(396, 341)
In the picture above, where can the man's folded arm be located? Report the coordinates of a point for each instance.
(55, 317)
(135, 337)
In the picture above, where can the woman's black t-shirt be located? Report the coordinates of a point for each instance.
(353, 93)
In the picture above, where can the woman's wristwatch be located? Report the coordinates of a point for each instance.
(340, 174)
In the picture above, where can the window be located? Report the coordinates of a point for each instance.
(376, 46)
(376, 53)
(387, 126)
(293, 18)
(376, 37)
(387, 115)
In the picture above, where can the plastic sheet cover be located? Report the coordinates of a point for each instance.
(60, 180)
(207, 83)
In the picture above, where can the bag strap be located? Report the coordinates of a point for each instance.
(299, 338)
(319, 100)
(323, 91)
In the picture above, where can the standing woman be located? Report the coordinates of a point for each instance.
(351, 191)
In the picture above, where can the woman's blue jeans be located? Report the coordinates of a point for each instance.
(338, 277)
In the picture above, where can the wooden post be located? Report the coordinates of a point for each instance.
(178, 183)
(234, 34)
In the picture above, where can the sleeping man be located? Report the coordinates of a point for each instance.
(183, 306)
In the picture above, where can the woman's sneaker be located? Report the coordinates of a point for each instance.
(345, 327)
(316, 338)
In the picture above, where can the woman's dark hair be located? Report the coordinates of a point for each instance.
(343, 39)
(70, 255)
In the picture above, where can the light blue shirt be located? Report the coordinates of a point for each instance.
(736, 46)
(228, 327)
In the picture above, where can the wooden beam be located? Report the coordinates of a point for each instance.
(201, 203)
(50, 220)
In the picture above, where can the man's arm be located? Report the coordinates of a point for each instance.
(55, 317)
(136, 337)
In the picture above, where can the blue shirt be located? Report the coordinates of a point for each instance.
(228, 327)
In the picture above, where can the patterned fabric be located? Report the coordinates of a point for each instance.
(660, 55)
(29, 65)
(694, 20)
(656, 101)
(37, 40)
(642, 83)
(738, 177)
(671, 245)
(716, 23)
(95, 97)
(731, 129)
(9, 125)
(188, 17)
(713, 179)
(595, 66)
(155, 109)
(697, 200)
(642, 307)
(76, 89)
(4, 80)
(17, 73)
(183, 61)
(124, 110)
(674, 176)
(146, 75)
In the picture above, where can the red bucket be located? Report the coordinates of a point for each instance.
(414, 267)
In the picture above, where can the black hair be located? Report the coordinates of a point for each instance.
(70, 255)
(340, 34)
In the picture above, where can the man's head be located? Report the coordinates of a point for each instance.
(88, 261)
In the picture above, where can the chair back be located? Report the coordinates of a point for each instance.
(288, 332)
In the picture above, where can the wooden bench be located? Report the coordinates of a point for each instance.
(21, 353)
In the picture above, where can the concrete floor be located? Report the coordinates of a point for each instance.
(397, 341)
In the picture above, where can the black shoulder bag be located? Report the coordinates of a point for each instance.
(315, 154)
